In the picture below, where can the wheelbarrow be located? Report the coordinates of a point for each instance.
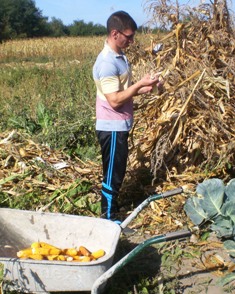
(20, 228)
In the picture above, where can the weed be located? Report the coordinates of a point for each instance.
(229, 289)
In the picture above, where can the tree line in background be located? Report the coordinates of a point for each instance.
(22, 19)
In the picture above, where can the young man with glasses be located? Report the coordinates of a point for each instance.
(114, 106)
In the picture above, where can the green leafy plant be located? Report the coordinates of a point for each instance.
(215, 204)
(44, 118)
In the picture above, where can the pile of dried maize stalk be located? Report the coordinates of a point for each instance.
(187, 133)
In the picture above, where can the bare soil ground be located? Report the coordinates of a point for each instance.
(198, 274)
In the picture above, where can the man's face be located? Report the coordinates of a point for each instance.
(125, 38)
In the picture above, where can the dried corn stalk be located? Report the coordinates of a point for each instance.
(188, 132)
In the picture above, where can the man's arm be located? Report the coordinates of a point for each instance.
(145, 85)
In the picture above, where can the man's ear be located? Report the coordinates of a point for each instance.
(114, 34)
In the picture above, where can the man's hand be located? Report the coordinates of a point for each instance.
(143, 86)
(145, 90)
(150, 82)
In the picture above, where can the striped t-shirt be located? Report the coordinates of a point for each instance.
(111, 73)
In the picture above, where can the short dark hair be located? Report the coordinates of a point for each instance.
(120, 21)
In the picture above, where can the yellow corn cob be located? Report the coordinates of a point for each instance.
(85, 259)
(52, 257)
(77, 257)
(97, 254)
(46, 245)
(35, 245)
(54, 251)
(70, 251)
(36, 256)
(84, 251)
(69, 258)
(79, 253)
(41, 250)
(56, 257)
(46, 251)
(24, 253)
(61, 257)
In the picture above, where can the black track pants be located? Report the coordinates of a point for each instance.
(114, 149)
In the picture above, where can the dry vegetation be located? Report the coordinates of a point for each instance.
(187, 133)
(63, 48)
(181, 136)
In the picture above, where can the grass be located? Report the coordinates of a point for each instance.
(52, 101)
(49, 103)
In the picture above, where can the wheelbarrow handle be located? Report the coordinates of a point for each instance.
(146, 202)
(178, 235)
(172, 192)
(101, 281)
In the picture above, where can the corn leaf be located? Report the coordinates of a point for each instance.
(14, 177)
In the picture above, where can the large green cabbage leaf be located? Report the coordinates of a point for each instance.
(216, 202)
(223, 226)
(194, 210)
(229, 245)
(211, 194)
(228, 209)
(230, 190)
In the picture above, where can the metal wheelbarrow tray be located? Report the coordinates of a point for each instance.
(19, 228)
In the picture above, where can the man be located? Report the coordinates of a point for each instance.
(114, 106)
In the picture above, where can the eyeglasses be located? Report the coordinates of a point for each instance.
(129, 37)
